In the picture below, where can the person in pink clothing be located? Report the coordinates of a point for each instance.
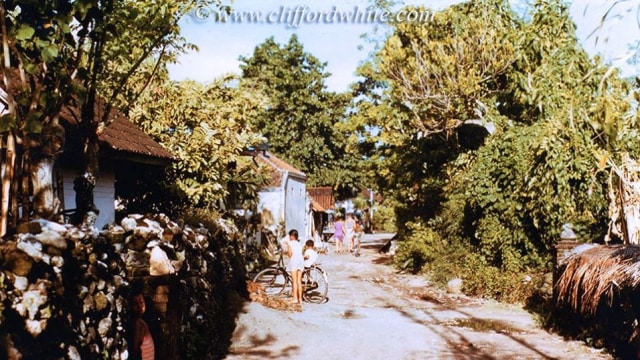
(142, 346)
(338, 233)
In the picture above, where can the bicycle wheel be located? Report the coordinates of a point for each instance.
(315, 285)
(273, 280)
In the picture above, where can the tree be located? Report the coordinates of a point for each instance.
(443, 71)
(559, 117)
(68, 54)
(421, 84)
(301, 119)
(207, 128)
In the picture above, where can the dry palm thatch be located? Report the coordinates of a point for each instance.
(597, 275)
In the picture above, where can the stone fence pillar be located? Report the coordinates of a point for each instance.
(165, 314)
(563, 247)
(567, 242)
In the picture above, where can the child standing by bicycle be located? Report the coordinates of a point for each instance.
(310, 254)
(296, 265)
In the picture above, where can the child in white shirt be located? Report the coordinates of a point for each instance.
(310, 254)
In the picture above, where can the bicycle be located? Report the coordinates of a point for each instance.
(274, 279)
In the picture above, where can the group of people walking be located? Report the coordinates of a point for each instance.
(347, 233)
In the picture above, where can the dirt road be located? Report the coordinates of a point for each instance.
(375, 313)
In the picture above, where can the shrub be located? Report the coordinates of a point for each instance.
(423, 250)
(384, 219)
(420, 249)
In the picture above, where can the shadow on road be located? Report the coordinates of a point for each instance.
(258, 347)
(459, 345)
(457, 340)
(451, 330)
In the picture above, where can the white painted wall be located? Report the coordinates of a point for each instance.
(288, 203)
(295, 206)
(104, 198)
(271, 200)
(67, 189)
(103, 194)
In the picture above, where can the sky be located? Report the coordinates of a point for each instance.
(338, 41)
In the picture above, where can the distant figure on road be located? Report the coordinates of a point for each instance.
(349, 231)
(359, 231)
(296, 265)
(338, 233)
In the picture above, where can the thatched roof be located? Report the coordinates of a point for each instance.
(598, 274)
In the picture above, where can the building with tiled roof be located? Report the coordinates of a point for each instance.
(123, 146)
(120, 138)
(284, 201)
(277, 167)
(322, 198)
(124, 151)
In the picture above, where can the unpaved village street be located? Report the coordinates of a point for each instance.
(373, 312)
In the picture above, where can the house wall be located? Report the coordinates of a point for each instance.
(103, 194)
(296, 206)
(288, 203)
(271, 208)
(104, 198)
(67, 189)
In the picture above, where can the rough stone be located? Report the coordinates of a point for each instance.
(15, 260)
(52, 238)
(139, 246)
(128, 224)
(159, 263)
(454, 286)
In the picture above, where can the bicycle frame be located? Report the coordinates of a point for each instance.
(276, 278)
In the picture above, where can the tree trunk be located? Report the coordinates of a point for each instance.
(45, 204)
(8, 167)
(86, 210)
(15, 190)
(25, 179)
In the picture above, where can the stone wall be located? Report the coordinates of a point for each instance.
(65, 289)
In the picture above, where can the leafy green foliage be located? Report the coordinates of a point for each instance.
(206, 127)
(425, 248)
(384, 219)
(58, 54)
(560, 119)
(302, 121)
(153, 27)
(421, 84)
(529, 180)
(441, 260)
(441, 71)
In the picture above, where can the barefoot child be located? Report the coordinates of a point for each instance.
(296, 265)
